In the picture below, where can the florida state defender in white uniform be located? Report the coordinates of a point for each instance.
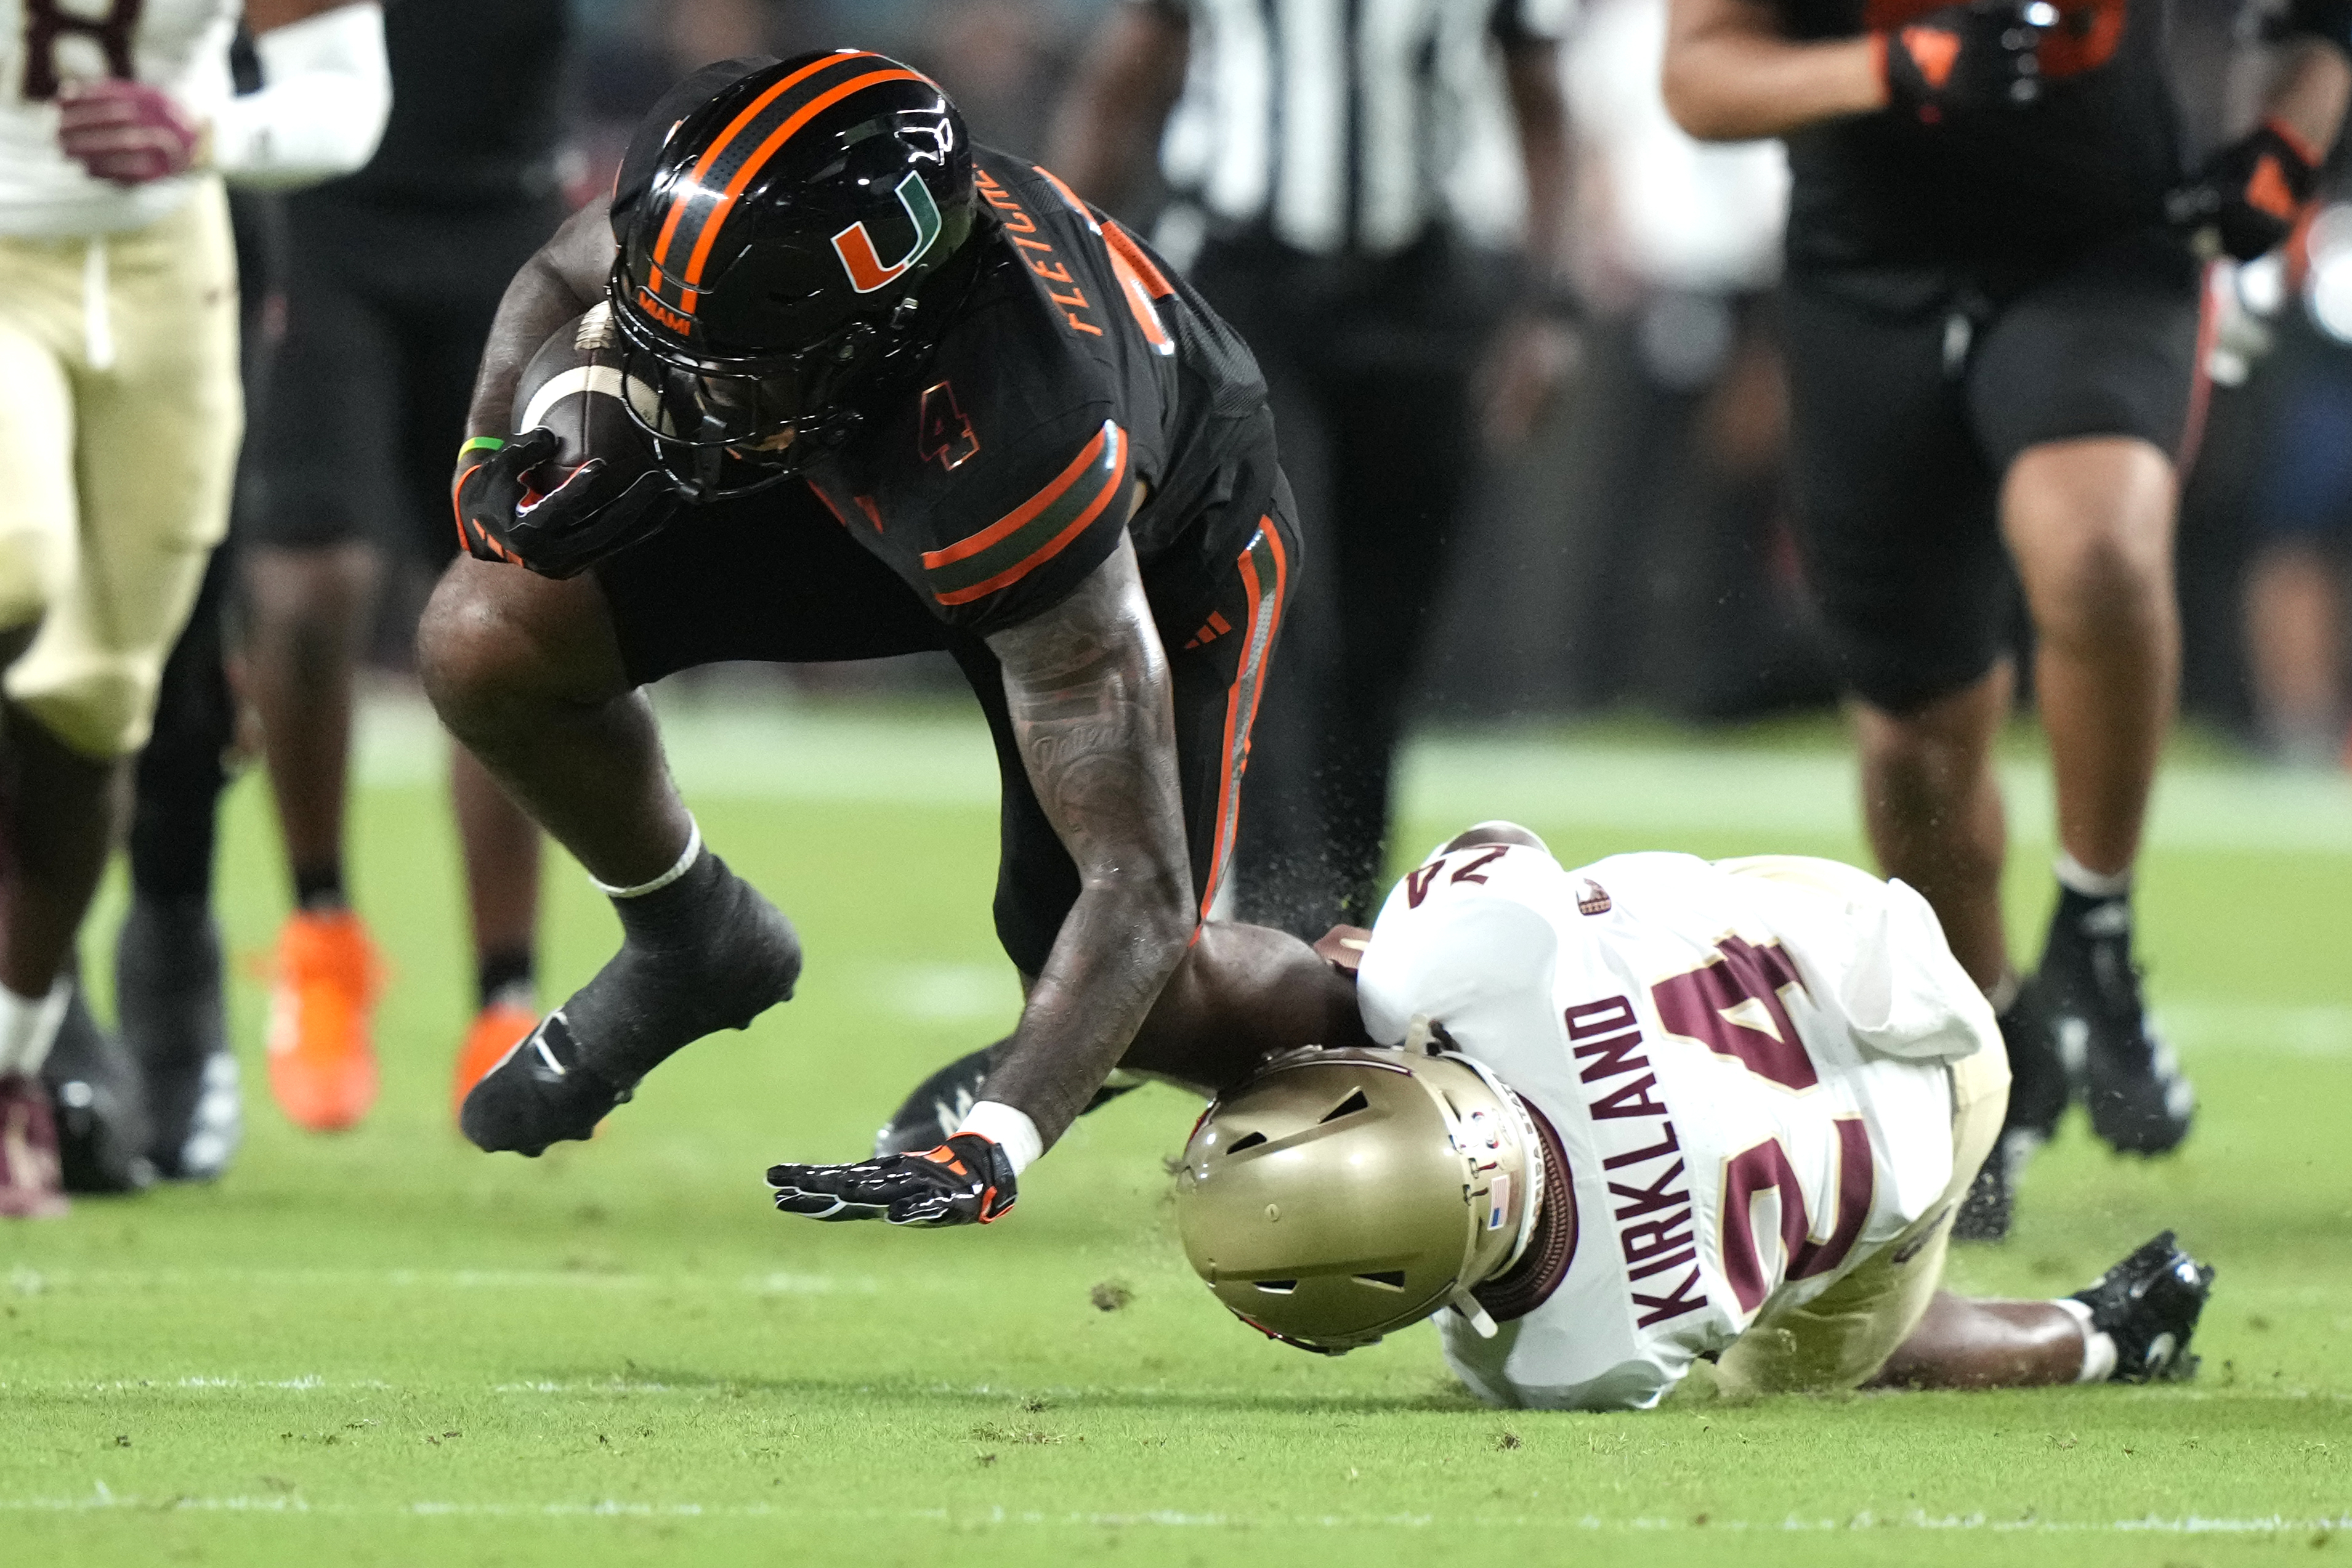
(120, 415)
(1770, 1081)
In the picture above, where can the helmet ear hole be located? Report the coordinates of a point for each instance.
(1276, 1287)
(1387, 1279)
(1246, 1141)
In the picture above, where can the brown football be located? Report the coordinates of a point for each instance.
(574, 386)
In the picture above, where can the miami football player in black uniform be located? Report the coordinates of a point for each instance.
(903, 394)
(1991, 315)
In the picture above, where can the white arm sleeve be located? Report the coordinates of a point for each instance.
(326, 91)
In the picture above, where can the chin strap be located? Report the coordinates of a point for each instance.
(1466, 1307)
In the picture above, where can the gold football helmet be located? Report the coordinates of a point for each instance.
(1341, 1194)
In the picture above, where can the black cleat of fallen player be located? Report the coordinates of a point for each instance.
(2148, 1304)
(935, 1108)
(2132, 1085)
(2037, 1098)
(99, 1105)
(930, 1116)
(174, 1025)
(705, 954)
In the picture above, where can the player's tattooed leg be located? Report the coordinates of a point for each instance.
(703, 954)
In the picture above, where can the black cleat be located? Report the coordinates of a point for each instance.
(2037, 1098)
(174, 1024)
(2148, 1304)
(706, 954)
(544, 1094)
(2131, 1083)
(99, 1105)
(930, 1116)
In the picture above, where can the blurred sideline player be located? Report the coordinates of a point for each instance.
(921, 397)
(119, 349)
(392, 278)
(1345, 194)
(2302, 503)
(1992, 338)
(1650, 1111)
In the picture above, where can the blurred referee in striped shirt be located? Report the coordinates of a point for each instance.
(1345, 190)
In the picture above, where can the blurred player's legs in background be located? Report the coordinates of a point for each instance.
(169, 998)
(1374, 302)
(390, 280)
(2295, 619)
(385, 311)
(119, 352)
(1933, 431)
(1368, 365)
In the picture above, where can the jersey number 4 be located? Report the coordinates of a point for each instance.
(45, 24)
(942, 431)
(1732, 1005)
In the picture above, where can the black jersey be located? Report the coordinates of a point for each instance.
(2031, 186)
(1077, 377)
(476, 114)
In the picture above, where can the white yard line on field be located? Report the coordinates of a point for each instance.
(2237, 1029)
(101, 1499)
(937, 757)
(24, 1281)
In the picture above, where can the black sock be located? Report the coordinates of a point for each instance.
(179, 777)
(503, 970)
(676, 915)
(320, 888)
(2090, 917)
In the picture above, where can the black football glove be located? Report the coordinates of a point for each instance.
(1975, 57)
(965, 1181)
(2250, 193)
(563, 533)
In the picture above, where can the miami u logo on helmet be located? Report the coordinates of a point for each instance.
(867, 271)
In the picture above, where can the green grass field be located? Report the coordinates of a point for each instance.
(387, 1347)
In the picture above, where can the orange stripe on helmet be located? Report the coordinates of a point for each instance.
(735, 127)
(758, 160)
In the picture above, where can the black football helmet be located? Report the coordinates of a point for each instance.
(775, 263)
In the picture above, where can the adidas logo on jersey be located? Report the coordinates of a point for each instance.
(1215, 628)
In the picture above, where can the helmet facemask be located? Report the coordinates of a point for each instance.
(732, 425)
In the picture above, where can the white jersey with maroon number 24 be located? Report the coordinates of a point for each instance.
(179, 46)
(1744, 1061)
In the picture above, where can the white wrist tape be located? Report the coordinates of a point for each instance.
(2098, 1346)
(326, 92)
(29, 1027)
(685, 864)
(1009, 1130)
